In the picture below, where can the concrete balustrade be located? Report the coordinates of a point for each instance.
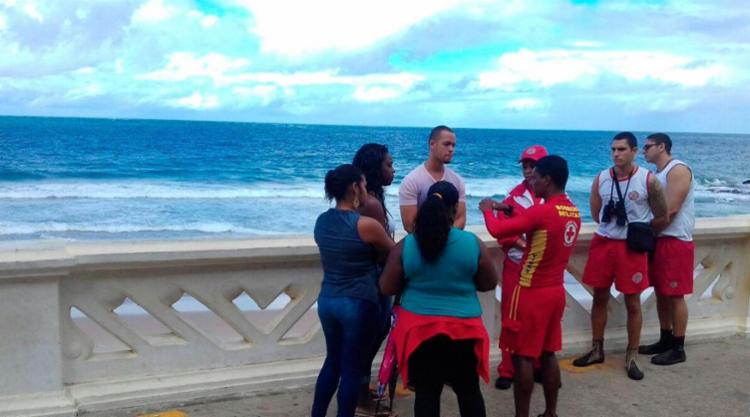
(92, 326)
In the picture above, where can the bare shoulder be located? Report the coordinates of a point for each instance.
(680, 171)
(372, 208)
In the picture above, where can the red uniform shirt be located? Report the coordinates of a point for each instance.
(521, 197)
(552, 229)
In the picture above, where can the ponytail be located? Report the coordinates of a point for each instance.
(435, 219)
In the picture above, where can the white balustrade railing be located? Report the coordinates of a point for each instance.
(88, 326)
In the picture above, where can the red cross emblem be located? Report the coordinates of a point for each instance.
(571, 231)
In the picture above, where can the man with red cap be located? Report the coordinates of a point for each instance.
(520, 198)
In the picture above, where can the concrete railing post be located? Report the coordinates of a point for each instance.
(30, 356)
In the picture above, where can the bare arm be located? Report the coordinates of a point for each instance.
(408, 217)
(372, 232)
(678, 186)
(373, 208)
(486, 278)
(658, 204)
(595, 201)
(392, 280)
(460, 220)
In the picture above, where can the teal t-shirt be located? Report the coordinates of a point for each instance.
(445, 287)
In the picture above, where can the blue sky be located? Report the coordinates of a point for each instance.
(538, 64)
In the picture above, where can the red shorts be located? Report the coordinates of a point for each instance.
(535, 322)
(610, 260)
(671, 268)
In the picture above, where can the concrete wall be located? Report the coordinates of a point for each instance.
(70, 340)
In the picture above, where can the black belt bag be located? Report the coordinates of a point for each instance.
(641, 237)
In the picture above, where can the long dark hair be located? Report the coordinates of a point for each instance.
(435, 219)
(339, 179)
(369, 158)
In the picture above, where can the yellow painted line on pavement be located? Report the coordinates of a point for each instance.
(169, 413)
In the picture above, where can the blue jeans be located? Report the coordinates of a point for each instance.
(347, 326)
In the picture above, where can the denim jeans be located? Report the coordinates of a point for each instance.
(349, 332)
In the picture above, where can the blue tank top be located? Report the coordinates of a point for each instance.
(349, 267)
(445, 287)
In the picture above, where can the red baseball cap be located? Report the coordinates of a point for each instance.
(535, 153)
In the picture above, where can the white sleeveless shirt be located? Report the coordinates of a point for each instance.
(636, 201)
(683, 222)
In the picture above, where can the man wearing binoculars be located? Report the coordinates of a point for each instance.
(625, 199)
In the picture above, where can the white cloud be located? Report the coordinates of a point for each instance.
(209, 21)
(153, 11)
(3, 22)
(376, 93)
(31, 11)
(521, 104)
(197, 101)
(224, 70)
(549, 68)
(586, 44)
(82, 13)
(86, 91)
(119, 66)
(84, 71)
(298, 28)
(265, 93)
(185, 65)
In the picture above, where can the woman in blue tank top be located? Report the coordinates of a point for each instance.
(439, 334)
(350, 247)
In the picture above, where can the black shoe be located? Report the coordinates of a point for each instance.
(503, 382)
(670, 357)
(654, 348)
(589, 359)
(634, 372)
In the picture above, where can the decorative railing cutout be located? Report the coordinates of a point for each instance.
(208, 323)
(145, 325)
(104, 342)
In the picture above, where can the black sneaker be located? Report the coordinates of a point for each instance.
(670, 357)
(654, 348)
(503, 383)
(589, 359)
(634, 372)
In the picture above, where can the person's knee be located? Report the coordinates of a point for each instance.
(601, 296)
(633, 303)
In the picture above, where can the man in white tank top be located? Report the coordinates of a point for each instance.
(671, 268)
(610, 260)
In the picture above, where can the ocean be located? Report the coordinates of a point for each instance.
(103, 179)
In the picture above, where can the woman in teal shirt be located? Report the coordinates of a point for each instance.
(440, 337)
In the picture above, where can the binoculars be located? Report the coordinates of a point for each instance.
(616, 210)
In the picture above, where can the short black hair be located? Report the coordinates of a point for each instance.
(632, 141)
(438, 130)
(555, 167)
(659, 138)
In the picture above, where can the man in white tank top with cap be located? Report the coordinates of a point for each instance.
(623, 194)
(672, 265)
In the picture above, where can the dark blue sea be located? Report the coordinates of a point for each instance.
(86, 179)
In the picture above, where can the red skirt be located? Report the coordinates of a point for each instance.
(412, 329)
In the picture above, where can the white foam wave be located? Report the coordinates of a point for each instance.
(154, 190)
(28, 228)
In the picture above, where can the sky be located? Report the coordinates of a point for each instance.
(539, 64)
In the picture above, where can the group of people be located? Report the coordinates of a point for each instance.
(644, 237)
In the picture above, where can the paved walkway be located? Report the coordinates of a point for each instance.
(714, 382)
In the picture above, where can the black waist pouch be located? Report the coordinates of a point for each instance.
(641, 238)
